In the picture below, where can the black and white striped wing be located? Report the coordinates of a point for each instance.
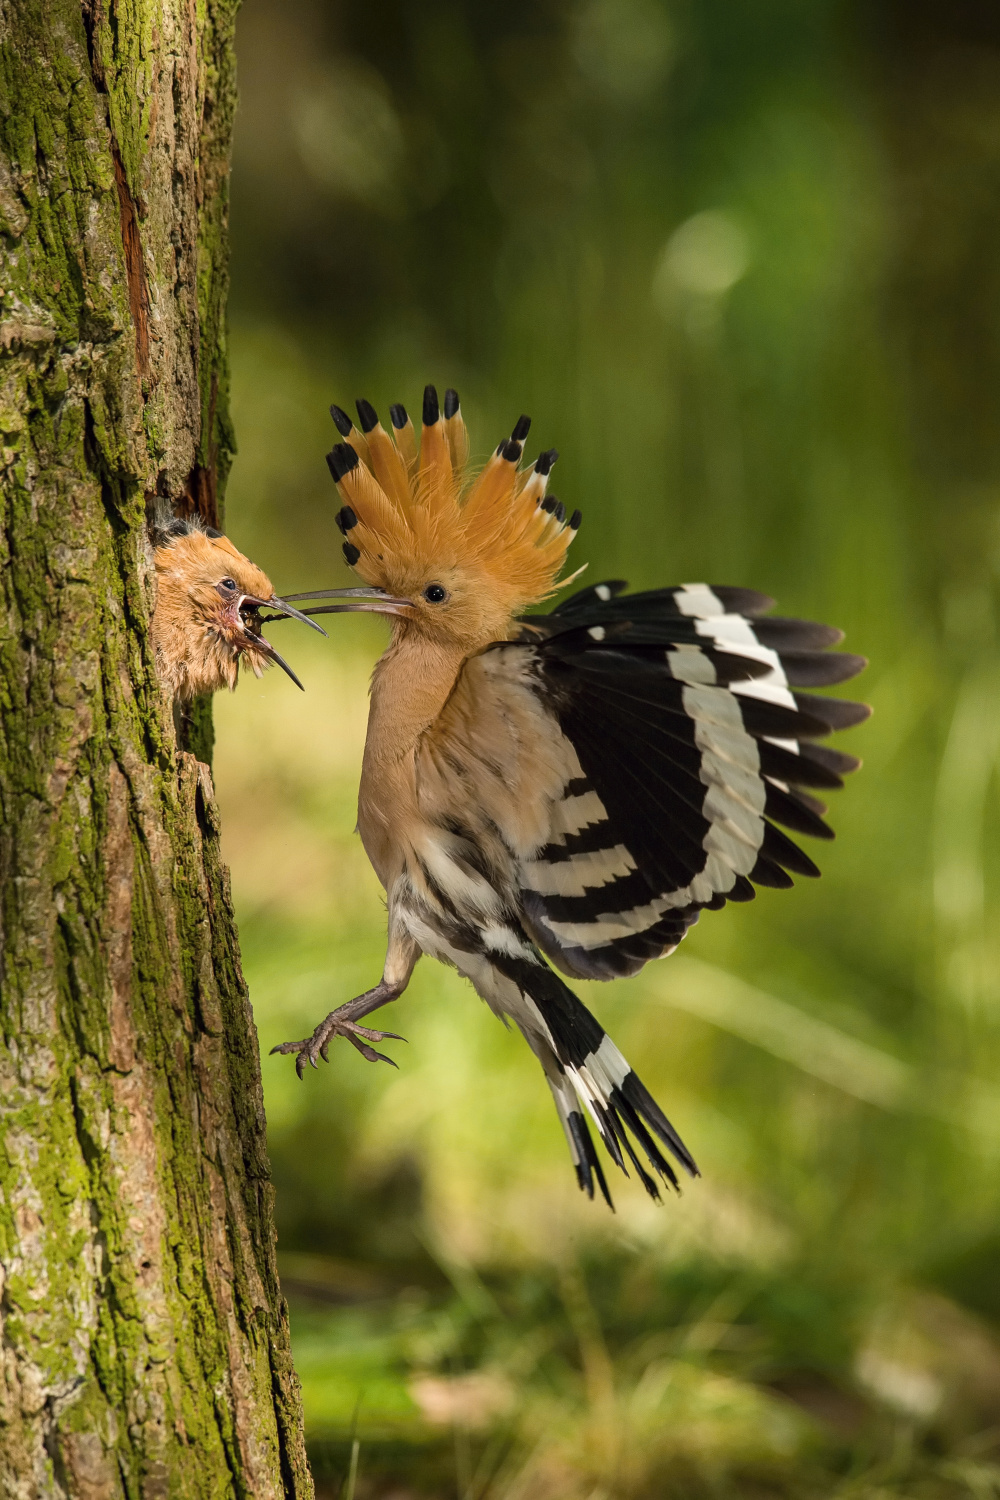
(691, 745)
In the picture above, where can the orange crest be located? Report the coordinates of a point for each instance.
(409, 514)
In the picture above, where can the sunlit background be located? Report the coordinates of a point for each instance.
(741, 264)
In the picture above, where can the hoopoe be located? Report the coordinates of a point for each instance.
(207, 615)
(572, 788)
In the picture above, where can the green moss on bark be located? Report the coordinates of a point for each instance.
(144, 1339)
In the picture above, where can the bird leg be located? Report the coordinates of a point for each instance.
(344, 1022)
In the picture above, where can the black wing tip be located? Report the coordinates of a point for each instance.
(819, 668)
(742, 601)
(814, 765)
(835, 762)
(782, 631)
(452, 405)
(521, 428)
(398, 415)
(779, 858)
(431, 410)
(793, 811)
(834, 713)
(765, 872)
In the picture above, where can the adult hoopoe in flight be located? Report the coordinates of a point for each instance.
(207, 615)
(574, 787)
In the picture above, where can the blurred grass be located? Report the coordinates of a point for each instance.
(741, 264)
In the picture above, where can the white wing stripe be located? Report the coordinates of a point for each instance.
(574, 813)
(739, 639)
(713, 705)
(698, 600)
(691, 665)
(732, 807)
(578, 874)
(740, 821)
(734, 630)
(733, 752)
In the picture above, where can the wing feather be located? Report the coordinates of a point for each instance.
(625, 765)
(680, 706)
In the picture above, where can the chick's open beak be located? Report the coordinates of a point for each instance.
(260, 641)
(372, 600)
(282, 607)
(263, 645)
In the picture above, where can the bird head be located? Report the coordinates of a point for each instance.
(451, 554)
(207, 617)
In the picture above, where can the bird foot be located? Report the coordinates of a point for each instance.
(337, 1024)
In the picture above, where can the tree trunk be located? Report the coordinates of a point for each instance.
(143, 1339)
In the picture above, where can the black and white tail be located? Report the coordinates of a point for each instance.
(589, 1076)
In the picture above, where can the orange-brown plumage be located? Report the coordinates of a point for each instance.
(572, 790)
(413, 520)
(206, 618)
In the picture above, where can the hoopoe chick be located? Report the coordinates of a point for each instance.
(207, 616)
(568, 790)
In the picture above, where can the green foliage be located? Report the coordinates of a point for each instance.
(739, 263)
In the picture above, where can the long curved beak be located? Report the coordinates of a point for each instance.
(260, 641)
(282, 607)
(263, 645)
(372, 600)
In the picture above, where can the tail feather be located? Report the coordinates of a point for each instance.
(626, 1111)
(614, 1127)
(585, 1068)
(581, 1145)
(641, 1103)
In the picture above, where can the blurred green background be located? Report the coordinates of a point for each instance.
(741, 263)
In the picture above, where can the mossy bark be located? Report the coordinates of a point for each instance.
(143, 1340)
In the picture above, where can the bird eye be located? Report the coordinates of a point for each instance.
(227, 586)
(434, 593)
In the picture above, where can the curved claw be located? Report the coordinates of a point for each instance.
(369, 1053)
(317, 1045)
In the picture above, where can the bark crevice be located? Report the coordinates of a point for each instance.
(135, 266)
